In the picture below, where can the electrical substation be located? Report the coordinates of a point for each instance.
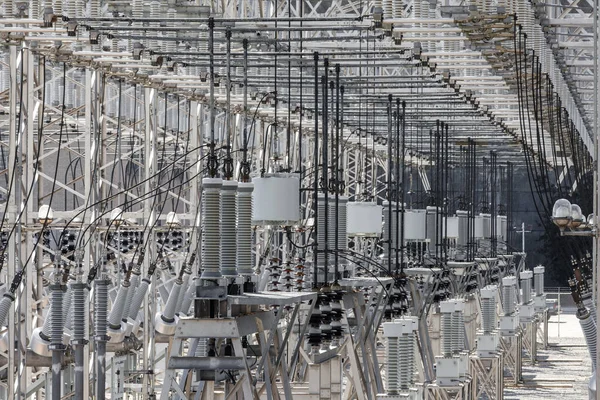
(298, 199)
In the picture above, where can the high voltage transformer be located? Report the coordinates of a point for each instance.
(283, 200)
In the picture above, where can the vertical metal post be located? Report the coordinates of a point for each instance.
(596, 186)
(12, 209)
(149, 213)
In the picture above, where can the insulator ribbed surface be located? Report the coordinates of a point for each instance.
(321, 229)
(182, 292)
(94, 8)
(488, 314)
(406, 350)
(228, 228)
(201, 350)
(116, 312)
(47, 326)
(138, 299)
(171, 45)
(509, 297)
(393, 365)
(588, 326)
(5, 303)
(538, 280)
(245, 262)
(447, 333)
(211, 235)
(589, 304)
(387, 8)
(188, 297)
(526, 290)
(79, 300)
(458, 336)
(134, 281)
(397, 8)
(67, 308)
(57, 327)
(100, 307)
(168, 314)
(332, 221)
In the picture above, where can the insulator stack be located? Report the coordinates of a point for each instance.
(94, 9)
(538, 280)
(138, 9)
(57, 326)
(5, 303)
(401, 345)
(488, 309)
(138, 298)
(228, 228)
(202, 348)
(591, 306)
(211, 237)
(314, 335)
(188, 298)
(116, 312)
(100, 308)
(8, 7)
(274, 269)
(245, 262)
(397, 9)
(67, 308)
(509, 294)
(134, 282)
(79, 319)
(321, 238)
(168, 314)
(458, 316)
(526, 286)
(183, 291)
(287, 280)
(34, 11)
(300, 274)
(447, 310)
(171, 45)
(325, 308)
(155, 44)
(336, 314)
(588, 326)
(393, 365)
(388, 8)
(332, 220)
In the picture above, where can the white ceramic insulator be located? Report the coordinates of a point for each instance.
(228, 228)
(171, 45)
(538, 281)
(245, 262)
(67, 307)
(393, 365)
(168, 314)
(211, 237)
(116, 312)
(188, 297)
(588, 326)
(447, 331)
(591, 306)
(182, 292)
(134, 282)
(387, 8)
(526, 291)
(138, 9)
(138, 298)
(47, 326)
(488, 311)
(70, 8)
(34, 9)
(95, 9)
(406, 349)
(459, 331)
(397, 9)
